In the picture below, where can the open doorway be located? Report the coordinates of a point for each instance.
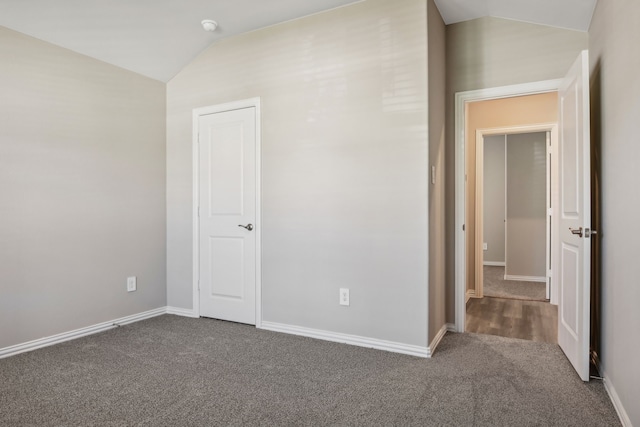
(571, 232)
(526, 123)
(513, 201)
(513, 233)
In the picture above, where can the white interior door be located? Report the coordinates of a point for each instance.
(227, 215)
(575, 217)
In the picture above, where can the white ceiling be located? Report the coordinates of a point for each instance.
(157, 38)
(570, 14)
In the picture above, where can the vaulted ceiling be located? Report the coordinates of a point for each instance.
(157, 38)
(569, 14)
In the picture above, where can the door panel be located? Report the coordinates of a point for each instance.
(570, 264)
(227, 192)
(575, 214)
(226, 267)
(225, 166)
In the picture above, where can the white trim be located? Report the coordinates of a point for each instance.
(525, 278)
(479, 218)
(494, 263)
(617, 404)
(547, 217)
(197, 113)
(78, 333)
(461, 100)
(471, 293)
(184, 312)
(436, 340)
(451, 327)
(395, 347)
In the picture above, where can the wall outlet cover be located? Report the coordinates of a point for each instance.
(344, 296)
(132, 284)
(484, 246)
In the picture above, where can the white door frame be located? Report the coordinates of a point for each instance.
(549, 128)
(197, 113)
(461, 100)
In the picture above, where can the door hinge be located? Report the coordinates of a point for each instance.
(198, 211)
(463, 227)
(550, 212)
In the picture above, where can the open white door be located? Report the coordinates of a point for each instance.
(575, 217)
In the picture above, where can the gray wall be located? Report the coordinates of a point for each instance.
(437, 77)
(615, 91)
(82, 169)
(491, 52)
(344, 166)
(493, 193)
(526, 204)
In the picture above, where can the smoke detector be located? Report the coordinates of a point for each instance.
(209, 25)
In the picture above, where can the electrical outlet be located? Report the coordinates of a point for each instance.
(344, 296)
(484, 246)
(132, 284)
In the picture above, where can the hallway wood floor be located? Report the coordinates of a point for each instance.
(529, 320)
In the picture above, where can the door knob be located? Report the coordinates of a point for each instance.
(248, 226)
(577, 231)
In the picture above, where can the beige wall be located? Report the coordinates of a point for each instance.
(82, 169)
(527, 205)
(491, 52)
(508, 112)
(437, 77)
(493, 198)
(344, 166)
(615, 95)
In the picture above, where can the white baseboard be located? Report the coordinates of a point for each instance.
(469, 294)
(89, 330)
(451, 327)
(526, 278)
(615, 399)
(184, 312)
(412, 350)
(494, 263)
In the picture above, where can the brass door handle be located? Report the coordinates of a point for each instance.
(248, 226)
(577, 231)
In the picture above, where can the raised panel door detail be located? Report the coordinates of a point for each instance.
(226, 267)
(570, 290)
(226, 168)
(570, 152)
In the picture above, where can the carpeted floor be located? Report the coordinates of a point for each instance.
(173, 371)
(494, 285)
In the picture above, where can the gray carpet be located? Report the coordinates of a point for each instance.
(173, 371)
(494, 285)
